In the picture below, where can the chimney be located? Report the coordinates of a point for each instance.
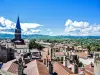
(48, 52)
(51, 53)
(65, 60)
(46, 62)
(75, 68)
(50, 67)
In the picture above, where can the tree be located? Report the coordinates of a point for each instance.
(97, 48)
(89, 48)
(39, 47)
(92, 48)
(33, 44)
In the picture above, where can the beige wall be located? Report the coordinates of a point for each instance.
(22, 50)
(97, 68)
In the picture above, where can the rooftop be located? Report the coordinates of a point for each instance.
(6, 73)
(22, 46)
(36, 68)
(89, 69)
(61, 70)
(6, 66)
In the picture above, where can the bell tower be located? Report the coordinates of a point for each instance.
(18, 40)
(18, 30)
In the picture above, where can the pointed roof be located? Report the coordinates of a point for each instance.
(18, 24)
(36, 67)
(61, 70)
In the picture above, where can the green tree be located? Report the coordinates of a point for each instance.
(33, 44)
(92, 48)
(89, 48)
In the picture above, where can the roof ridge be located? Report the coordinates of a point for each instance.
(61, 66)
(88, 71)
(6, 64)
(13, 65)
(64, 68)
(37, 66)
(10, 66)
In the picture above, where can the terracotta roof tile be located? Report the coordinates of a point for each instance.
(10, 67)
(6, 66)
(42, 69)
(89, 69)
(61, 70)
(88, 73)
(36, 68)
(13, 68)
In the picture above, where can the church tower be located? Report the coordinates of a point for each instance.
(18, 30)
(17, 40)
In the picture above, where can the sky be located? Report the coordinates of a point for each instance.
(51, 17)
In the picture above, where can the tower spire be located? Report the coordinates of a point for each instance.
(17, 40)
(18, 24)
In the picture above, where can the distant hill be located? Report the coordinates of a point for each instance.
(39, 36)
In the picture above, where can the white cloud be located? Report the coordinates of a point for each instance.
(81, 28)
(31, 32)
(4, 32)
(28, 28)
(48, 29)
(6, 24)
(25, 26)
(76, 24)
(50, 33)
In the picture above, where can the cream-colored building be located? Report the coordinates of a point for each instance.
(97, 63)
(22, 48)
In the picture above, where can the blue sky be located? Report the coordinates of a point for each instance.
(53, 17)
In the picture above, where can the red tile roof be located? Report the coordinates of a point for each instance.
(10, 67)
(6, 66)
(13, 68)
(89, 69)
(88, 73)
(61, 70)
(36, 68)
